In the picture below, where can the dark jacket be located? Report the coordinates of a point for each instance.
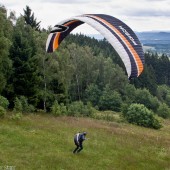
(79, 138)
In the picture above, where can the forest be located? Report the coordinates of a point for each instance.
(84, 75)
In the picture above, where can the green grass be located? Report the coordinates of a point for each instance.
(46, 142)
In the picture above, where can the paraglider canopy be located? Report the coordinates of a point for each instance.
(117, 33)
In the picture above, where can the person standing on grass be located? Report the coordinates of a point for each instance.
(78, 140)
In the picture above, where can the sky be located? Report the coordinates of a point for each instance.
(140, 15)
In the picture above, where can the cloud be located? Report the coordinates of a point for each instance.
(148, 12)
(65, 1)
(144, 8)
(70, 2)
(157, 0)
(140, 14)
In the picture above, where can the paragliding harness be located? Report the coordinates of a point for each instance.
(78, 140)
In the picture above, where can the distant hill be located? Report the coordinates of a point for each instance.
(152, 41)
(158, 41)
(161, 36)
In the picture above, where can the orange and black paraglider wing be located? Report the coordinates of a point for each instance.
(117, 33)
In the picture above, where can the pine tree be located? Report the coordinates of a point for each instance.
(30, 19)
(24, 78)
(5, 43)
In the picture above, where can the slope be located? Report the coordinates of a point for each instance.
(46, 142)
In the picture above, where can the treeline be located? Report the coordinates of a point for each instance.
(83, 69)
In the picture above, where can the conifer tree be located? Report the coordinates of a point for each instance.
(30, 19)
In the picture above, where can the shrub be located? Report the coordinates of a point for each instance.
(2, 112)
(26, 107)
(93, 94)
(58, 109)
(124, 108)
(4, 102)
(129, 93)
(17, 116)
(110, 100)
(138, 114)
(163, 111)
(17, 105)
(107, 115)
(75, 108)
(21, 105)
(79, 109)
(143, 96)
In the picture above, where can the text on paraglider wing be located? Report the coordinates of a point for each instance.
(128, 34)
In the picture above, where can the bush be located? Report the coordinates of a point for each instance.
(110, 100)
(107, 115)
(58, 109)
(93, 94)
(79, 109)
(21, 105)
(143, 96)
(124, 108)
(4, 102)
(138, 114)
(25, 105)
(2, 112)
(163, 111)
(17, 116)
(17, 105)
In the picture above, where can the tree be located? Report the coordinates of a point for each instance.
(162, 92)
(129, 94)
(93, 94)
(143, 96)
(164, 111)
(5, 41)
(110, 100)
(146, 80)
(24, 78)
(30, 19)
(46, 69)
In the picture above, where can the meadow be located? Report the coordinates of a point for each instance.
(45, 142)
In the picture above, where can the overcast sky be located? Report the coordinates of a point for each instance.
(140, 15)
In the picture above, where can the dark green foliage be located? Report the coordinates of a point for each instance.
(156, 72)
(24, 78)
(93, 94)
(146, 80)
(129, 93)
(138, 114)
(144, 97)
(18, 105)
(98, 46)
(163, 94)
(82, 69)
(21, 105)
(58, 109)
(124, 108)
(2, 112)
(163, 111)
(110, 100)
(77, 108)
(4, 102)
(27, 108)
(30, 19)
(6, 31)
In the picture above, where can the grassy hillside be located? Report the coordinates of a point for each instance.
(45, 142)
